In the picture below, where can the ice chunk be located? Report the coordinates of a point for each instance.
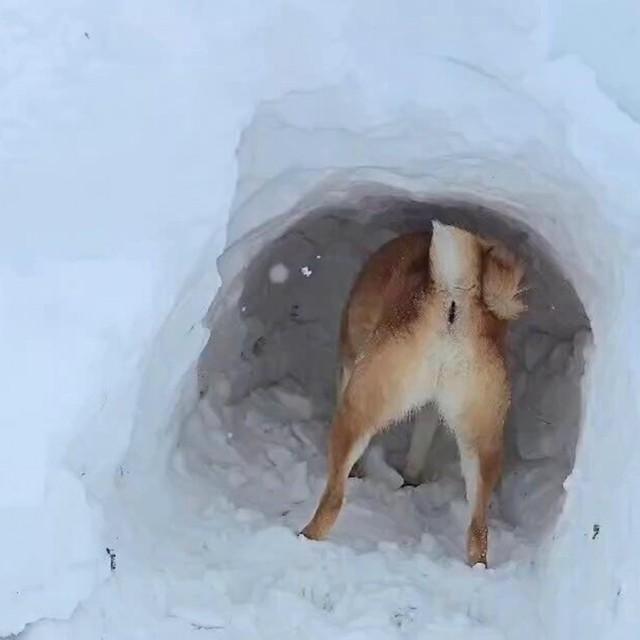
(376, 468)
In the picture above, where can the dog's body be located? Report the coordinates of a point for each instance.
(425, 323)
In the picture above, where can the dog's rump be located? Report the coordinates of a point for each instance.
(386, 293)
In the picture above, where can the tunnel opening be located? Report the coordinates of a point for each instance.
(267, 384)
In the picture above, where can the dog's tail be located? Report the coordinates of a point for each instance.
(502, 288)
(461, 261)
(454, 258)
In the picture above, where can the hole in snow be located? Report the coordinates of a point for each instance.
(268, 374)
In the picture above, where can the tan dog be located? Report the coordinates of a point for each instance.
(425, 323)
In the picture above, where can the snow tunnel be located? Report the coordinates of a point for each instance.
(188, 190)
(267, 375)
(299, 231)
(238, 387)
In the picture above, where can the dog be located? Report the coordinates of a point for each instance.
(425, 323)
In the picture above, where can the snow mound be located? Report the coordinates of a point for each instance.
(158, 453)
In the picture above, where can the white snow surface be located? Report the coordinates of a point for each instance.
(137, 141)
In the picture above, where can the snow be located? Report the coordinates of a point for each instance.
(278, 274)
(158, 157)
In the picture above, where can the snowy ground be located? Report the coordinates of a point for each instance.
(139, 140)
(218, 556)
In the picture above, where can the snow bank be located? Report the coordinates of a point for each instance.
(119, 129)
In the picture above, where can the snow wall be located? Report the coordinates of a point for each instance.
(121, 186)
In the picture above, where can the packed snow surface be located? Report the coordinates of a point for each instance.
(186, 191)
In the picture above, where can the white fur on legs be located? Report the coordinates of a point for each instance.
(470, 467)
(342, 380)
(424, 429)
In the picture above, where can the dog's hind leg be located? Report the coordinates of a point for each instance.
(372, 400)
(481, 467)
(478, 423)
(349, 438)
(342, 381)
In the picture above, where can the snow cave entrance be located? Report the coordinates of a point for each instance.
(267, 384)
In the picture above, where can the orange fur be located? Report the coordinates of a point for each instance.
(502, 282)
(425, 323)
